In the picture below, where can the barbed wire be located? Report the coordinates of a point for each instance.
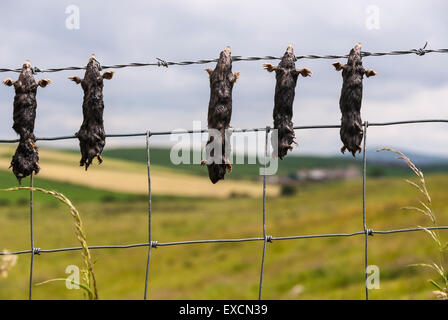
(266, 237)
(163, 63)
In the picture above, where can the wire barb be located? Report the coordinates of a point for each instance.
(422, 51)
(162, 63)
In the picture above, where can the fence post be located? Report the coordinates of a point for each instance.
(268, 129)
(30, 294)
(366, 231)
(148, 161)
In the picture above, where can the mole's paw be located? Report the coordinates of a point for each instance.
(8, 82)
(359, 149)
(100, 158)
(75, 79)
(343, 149)
(203, 162)
(370, 73)
(338, 66)
(269, 67)
(44, 82)
(305, 72)
(108, 75)
(236, 75)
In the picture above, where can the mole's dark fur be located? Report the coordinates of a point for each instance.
(91, 135)
(26, 158)
(351, 99)
(286, 75)
(219, 113)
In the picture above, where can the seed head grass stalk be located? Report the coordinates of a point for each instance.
(426, 209)
(87, 273)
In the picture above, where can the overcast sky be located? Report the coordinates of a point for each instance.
(137, 99)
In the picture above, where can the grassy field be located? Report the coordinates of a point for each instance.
(131, 177)
(290, 164)
(326, 268)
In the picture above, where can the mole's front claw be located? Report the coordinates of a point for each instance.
(209, 71)
(44, 82)
(269, 67)
(338, 66)
(370, 73)
(236, 75)
(75, 79)
(108, 75)
(305, 72)
(8, 82)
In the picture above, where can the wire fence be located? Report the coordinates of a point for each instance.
(266, 238)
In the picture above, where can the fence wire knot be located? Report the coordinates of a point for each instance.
(369, 232)
(422, 51)
(36, 251)
(154, 244)
(269, 239)
(162, 63)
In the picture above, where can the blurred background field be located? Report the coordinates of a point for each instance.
(307, 197)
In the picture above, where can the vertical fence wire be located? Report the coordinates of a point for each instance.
(260, 288)
(30, 289)
(366, 235)
(148, 161)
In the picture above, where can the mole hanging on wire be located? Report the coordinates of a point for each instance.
(26, 158)
(351, 99)
(91, 135)
(219, 113)
(286, 75)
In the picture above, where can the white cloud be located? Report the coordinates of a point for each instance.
(162, 99)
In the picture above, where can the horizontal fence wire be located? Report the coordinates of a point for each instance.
(233, 130)
(156, 244)
(162, 63)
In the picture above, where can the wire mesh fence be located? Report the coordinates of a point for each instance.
(266, 238)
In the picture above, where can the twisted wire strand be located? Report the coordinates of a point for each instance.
(156, 244)
(162, 63)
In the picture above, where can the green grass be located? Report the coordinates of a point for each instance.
(290, 164)
(161, 156)
(73, 192)
(324, 268)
